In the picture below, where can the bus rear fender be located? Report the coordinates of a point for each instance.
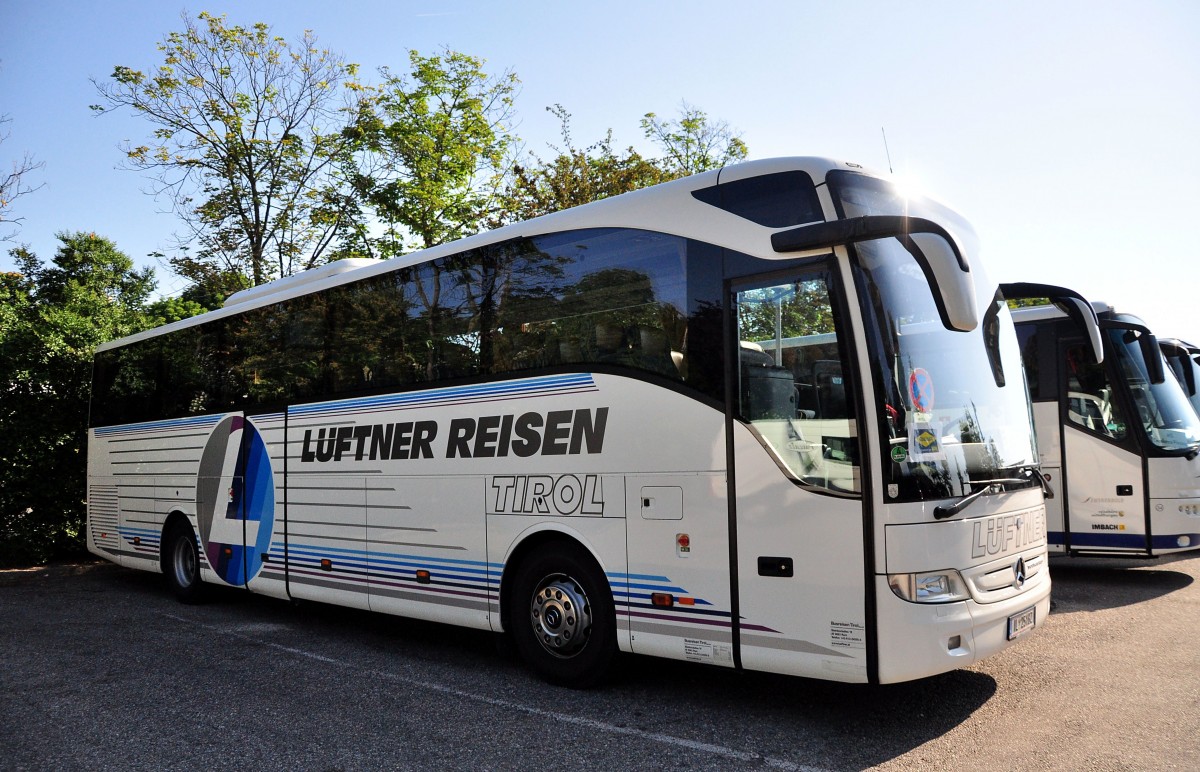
(169, 525)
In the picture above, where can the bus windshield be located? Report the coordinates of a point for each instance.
(1162, 408)
(953, 406)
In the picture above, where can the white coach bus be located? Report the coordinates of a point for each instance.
(585, 431)
(1118, 440)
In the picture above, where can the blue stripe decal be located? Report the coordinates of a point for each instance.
(528, 387)
(1123, 540)
(152, 426)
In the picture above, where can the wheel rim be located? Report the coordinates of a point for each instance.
(184, 561)
(561, 615)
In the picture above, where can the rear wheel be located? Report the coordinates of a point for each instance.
(182, 564)
(562, 617)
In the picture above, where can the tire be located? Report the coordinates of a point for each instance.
(562, 617)
(181, 564)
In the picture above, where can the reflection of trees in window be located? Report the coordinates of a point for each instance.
(516, 286)
(596, 296)
(126, 382)
(803, 309)
(190, 372)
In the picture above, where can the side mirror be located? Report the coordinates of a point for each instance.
(1153, 356)
(933, 247)
(1072, 304)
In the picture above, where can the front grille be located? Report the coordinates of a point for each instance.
(996, 581)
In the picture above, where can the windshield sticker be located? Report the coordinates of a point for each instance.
(923, 443)
(920, 389)
(899, 454)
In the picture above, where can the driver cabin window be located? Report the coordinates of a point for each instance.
(793, 385)
(1091, 403)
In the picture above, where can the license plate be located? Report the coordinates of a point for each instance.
(1021, 622)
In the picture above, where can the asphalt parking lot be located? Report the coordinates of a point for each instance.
(101, 668)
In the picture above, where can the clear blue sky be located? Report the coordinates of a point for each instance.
(1067, 132)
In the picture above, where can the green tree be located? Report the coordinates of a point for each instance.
(167, 310)
(51, 320)
(574, 176)
(691, 143)
(248, 130)
(433, 147)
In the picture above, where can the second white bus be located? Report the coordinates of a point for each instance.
(1118, 439)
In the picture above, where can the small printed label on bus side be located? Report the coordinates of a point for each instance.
(1021, 622)
(847, 635)
(696, 650)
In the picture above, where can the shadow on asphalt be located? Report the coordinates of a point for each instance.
(1094, 584)
(859, 726)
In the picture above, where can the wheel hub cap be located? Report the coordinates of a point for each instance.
(561, 616)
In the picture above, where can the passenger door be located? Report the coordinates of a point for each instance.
(797, 481)
(1104, 497)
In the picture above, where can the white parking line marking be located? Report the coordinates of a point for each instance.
(589, 723)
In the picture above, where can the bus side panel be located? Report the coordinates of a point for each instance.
(800, 573)
(435, 526)
(1105, 496)
(1175, 503)
(137, 475)
(679, 556)
(327, 538)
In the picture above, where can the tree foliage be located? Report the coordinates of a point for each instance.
(167, 310)
(432, 147)
(248, 130)
(691, 143)
(574, 176)
(51, 320)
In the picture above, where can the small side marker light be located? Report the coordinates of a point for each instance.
(228, 552)
(663, 599)
(423, 577)
(326, 564)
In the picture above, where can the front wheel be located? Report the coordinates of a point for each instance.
(182, 564)
(562, 617)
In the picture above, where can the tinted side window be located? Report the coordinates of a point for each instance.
(125, 384)
(602, 296)
(774, 200)
(605, 296)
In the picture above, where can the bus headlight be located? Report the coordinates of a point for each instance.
(929, 587)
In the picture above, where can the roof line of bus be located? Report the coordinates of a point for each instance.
(625, 210)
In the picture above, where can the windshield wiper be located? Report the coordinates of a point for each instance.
(942, 511)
